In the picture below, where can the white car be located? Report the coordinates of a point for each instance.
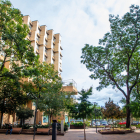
(98, 123)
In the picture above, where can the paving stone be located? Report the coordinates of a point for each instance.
(75, 134)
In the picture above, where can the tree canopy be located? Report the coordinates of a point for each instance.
(116, 61)
(16, 57)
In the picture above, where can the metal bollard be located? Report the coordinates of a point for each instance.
(54, 130)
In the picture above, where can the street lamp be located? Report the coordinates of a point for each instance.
(95, 115)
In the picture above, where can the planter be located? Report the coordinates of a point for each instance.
(27, 131)
(115, 132)
(42, 130)
(3, 130)
(76, 127)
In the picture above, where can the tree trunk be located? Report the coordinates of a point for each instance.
(20, 122)
(1, 122)
(127, 112)
(84, 130)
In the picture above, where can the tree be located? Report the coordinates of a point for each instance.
(11, 95)
(17, 57)
(53, 101)
(23, 114)
(111, 111)
(14, 47)
(116, 61)
(44, 80)
(82, 109)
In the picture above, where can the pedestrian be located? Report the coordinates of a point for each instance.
(9, 129)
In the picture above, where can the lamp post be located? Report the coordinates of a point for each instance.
(95, 116)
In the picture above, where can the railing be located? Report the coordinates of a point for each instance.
(69, 82)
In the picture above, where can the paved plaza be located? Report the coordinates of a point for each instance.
(75, 134)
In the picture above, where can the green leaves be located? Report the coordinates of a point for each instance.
(116, 60)
(112, 110)
(13, 45)
(82, 109)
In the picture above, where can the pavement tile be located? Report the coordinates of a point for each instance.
(75, 134)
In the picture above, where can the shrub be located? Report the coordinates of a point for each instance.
(42, 126)
(25, 126)
(87, 123)
(77, 124)
(59, 127)
(66, 127)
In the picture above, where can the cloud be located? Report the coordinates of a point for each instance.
(78, 22)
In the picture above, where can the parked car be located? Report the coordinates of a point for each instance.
(135, 123)
(98, 123)
(104, 123)
(122, 123)
(110, 122)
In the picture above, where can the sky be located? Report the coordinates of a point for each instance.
(79, 22)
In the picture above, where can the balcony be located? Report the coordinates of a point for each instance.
(70, 86)
(61, 48)
(61, 54)
(60, 69)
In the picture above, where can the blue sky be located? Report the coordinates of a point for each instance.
(79, 22)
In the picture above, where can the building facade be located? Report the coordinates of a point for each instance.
(47, 45)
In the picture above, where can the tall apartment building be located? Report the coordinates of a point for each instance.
(47, 45)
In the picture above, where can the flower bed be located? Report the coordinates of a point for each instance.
(116, 131)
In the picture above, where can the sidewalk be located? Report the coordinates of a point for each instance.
(75, 134)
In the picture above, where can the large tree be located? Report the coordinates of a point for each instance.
(16, 57)
(116, 61)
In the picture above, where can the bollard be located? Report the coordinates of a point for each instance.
(62, 127)
(54, 130)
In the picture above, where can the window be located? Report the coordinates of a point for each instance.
(60, 65)
(37, 38)
(29, 34)
(46, 42)
(30, 26)
(45, 59)
(37, 47)
(47, 35)
(52, 61)
(45, 50)
(54, 39)
(39, 30)
(53, 46)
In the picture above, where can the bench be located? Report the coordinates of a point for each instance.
(16, 130)
(42, 130)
